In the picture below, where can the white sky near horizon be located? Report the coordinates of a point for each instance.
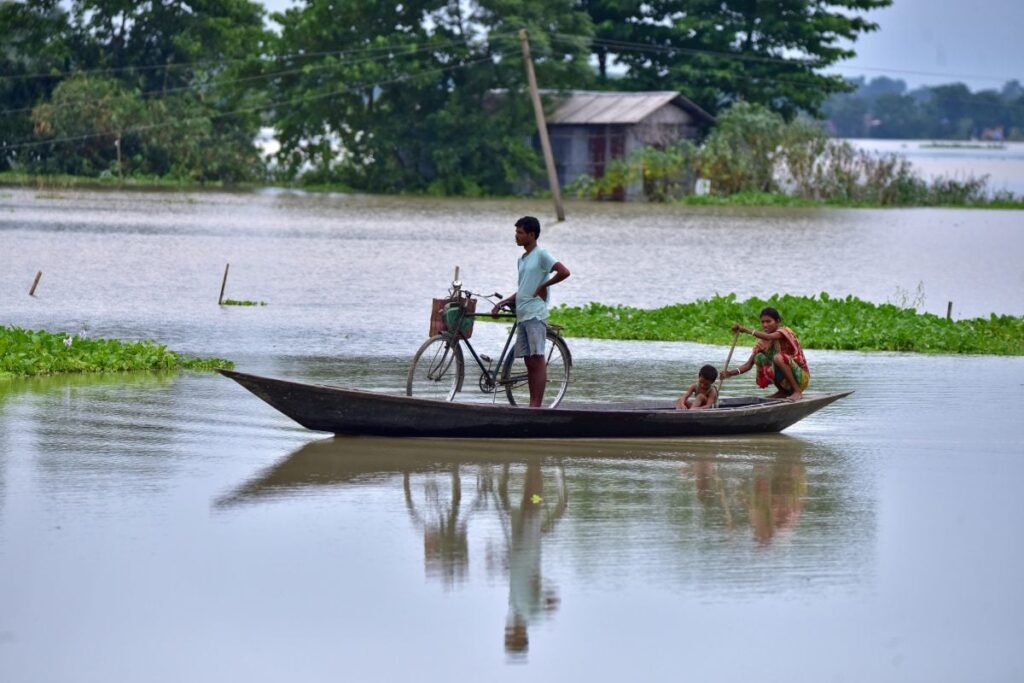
(929, 42)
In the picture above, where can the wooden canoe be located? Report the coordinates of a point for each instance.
(351, 411)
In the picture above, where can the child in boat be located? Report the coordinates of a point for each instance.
(704, 393)
(778, 356)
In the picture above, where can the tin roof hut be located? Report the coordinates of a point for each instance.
(588, 128)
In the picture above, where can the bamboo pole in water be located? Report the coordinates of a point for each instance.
(223, 283)
(35, 283)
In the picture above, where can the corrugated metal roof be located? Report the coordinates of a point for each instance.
(587, 107)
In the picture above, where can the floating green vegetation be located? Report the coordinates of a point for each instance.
(821, 322)
(962, 145)
(27, 353)
(242, 302)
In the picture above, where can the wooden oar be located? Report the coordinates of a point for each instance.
(721, 376)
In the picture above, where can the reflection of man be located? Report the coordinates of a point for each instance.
(527, 600)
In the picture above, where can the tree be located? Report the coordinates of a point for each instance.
(1012, 90)
(848, 114)
(898, 117)
(722, 51)
(191, 67)
(740, 155)
(879, 86)
(418, 96)
(89, 120)
(34, 41)
(161, 45)
(949, 108)
(613, 25)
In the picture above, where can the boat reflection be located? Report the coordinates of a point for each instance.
(680, 504)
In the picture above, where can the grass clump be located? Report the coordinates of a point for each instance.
(821, 322)
(28, 353)
(66, 181)
(242, 302)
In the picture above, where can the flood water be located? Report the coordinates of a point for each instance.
(1001, 162)
(174, 527)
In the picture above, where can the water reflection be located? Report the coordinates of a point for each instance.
(82, 426)
(525, 514)
(87, 435)
(529, 597)
(439, 514)
(702, 514)
(771, 495)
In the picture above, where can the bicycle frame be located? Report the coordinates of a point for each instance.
(438, 368)
(491, 377)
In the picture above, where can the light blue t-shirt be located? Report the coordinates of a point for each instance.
(534, 270)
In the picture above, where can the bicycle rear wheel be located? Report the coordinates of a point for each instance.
(437, 370)
(517, 388)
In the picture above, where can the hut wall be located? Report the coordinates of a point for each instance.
(586, 149)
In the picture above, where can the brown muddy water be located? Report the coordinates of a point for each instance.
(175, 528)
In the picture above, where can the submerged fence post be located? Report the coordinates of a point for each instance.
(949, 310)
(35, 283)
(223, 283)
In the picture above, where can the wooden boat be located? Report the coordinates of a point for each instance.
(350, 411)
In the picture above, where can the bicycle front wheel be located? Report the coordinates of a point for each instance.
(437, 370)
(558, 362)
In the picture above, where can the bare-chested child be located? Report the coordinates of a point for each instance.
(704, 393)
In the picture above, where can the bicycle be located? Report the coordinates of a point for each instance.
(438, 369)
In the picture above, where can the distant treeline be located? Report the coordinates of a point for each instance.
(378, 96)
(885, 108)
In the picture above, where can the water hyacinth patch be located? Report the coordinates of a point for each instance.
(821, 322)
(242, 302)
(26, 353)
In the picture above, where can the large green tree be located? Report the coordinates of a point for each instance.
(163, 44)
(34, 51)
(766, 52)
(613, 26)
(196, 64)
(423, 95)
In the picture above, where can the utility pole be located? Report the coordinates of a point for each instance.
(120, 166)
(542, 126)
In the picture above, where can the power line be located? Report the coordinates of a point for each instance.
(249, 110)
(622, 45)
(219, 84)
(644, 47)
(756, 78)
(910, 72)
(222, 62)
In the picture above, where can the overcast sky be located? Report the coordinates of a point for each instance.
(930, 42)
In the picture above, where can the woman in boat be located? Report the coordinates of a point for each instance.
(778, 356)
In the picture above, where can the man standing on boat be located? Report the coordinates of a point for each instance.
(531, 304)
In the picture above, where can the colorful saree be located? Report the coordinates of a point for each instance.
(792, 353)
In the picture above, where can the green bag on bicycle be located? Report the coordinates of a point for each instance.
(451, 315)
